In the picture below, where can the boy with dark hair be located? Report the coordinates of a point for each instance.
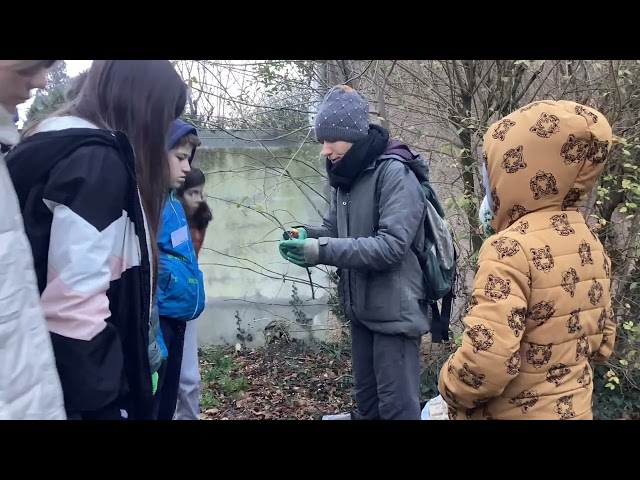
(180, 296)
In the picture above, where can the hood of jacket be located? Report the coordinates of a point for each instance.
(180, 128)
(398, 150)
(55, 139)
(545, 156)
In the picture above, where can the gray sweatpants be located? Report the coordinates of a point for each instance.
(188, 404)
(386, 370)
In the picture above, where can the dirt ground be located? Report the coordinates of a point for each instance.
(286, 379)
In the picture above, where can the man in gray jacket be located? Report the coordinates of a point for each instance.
(376, 214)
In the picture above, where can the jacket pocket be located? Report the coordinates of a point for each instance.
(378, 296)
(176, 294)
(168, 286)
(91, 371)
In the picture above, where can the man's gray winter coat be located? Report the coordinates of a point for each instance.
(367, 233)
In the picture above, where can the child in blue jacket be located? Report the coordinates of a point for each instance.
(180, 296)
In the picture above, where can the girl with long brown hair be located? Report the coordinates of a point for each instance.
(91, 181)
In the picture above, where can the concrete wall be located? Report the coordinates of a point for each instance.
(242, 267)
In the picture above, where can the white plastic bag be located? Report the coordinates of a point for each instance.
(339, 416)
(435, 409)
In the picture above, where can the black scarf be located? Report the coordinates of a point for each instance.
(361, 154)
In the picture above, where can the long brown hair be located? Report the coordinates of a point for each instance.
(74, 85)
(140, 98)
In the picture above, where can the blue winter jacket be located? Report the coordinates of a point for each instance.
(180, 282)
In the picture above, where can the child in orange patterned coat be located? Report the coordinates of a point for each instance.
(540, 311)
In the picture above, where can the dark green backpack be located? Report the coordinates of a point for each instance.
(437, 255)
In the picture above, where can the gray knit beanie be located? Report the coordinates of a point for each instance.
(342, 115)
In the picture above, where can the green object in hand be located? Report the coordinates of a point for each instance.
(295, 233)
(293, 251)
(154, 382)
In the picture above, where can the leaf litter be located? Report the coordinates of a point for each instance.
(285, 379)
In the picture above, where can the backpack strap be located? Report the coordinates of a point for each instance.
(442, 319)
(393, 156)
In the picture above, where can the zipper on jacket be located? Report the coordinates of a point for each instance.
(141, 397)
(147, 241)
(195, 310)
(348, 202)
(348, 213)
(197, 303)
(179, 222)
(139, 215)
